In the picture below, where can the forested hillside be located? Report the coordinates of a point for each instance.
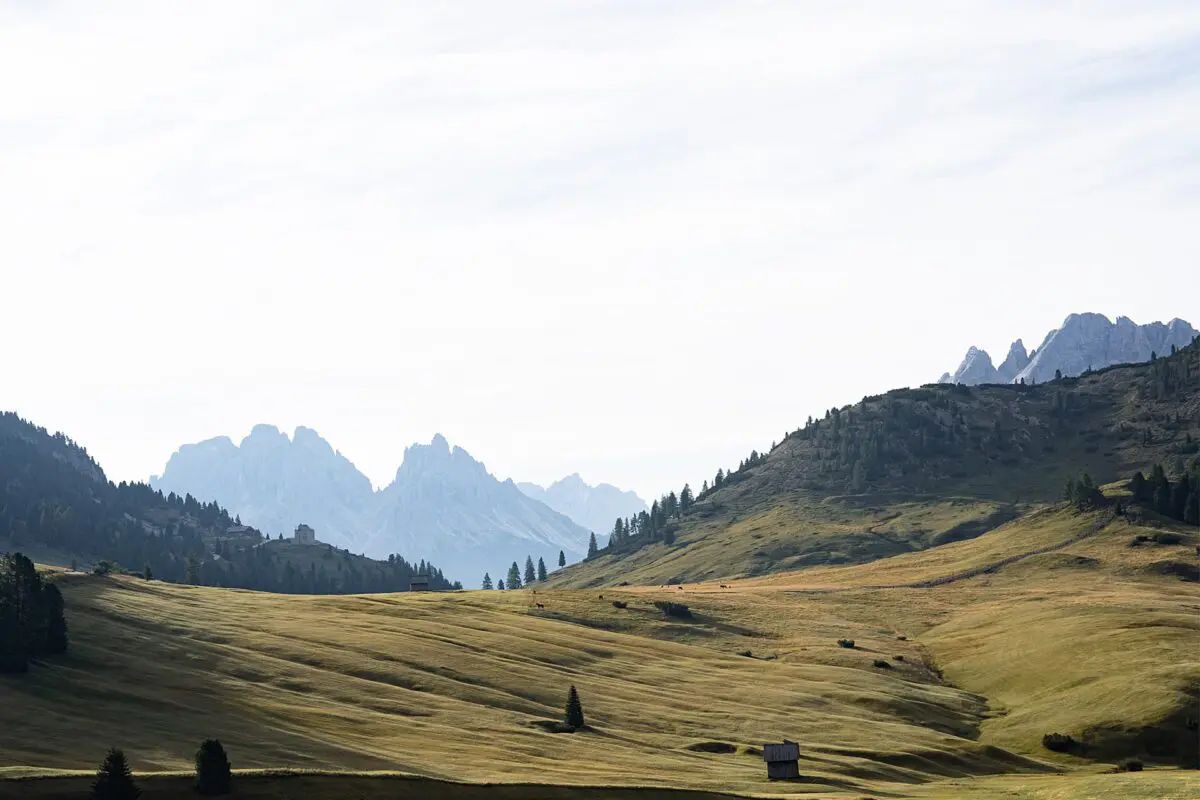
(913, 467)
(54, 497)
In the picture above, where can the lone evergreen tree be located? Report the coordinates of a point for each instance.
(592, 548)
(56, 622)
(514, 576)
(148, 573)
(114, 780)
(562, 559)
(487, 581)
(530, 573)
(574, 709)
(500, 584)
(213, 775)
(541, 569)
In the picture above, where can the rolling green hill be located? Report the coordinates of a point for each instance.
(913, 468)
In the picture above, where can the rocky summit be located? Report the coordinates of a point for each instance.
(443, 505)
(1085, 341)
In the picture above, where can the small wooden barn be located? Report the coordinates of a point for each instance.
(783, 760)
(418, 583)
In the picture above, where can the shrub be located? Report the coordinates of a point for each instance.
(677, 610)
(619, 604)
(623, 583)
(898, 658)
(114, 780)
(1131, 765)
(746, 653)
(213, 776)
(1168, 538)
(881, 664)
(902, 638)
(1059, 743)
(846, 643)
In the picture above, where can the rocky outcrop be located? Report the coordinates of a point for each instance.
(443, 505)
(1085, 341)
(593, 507)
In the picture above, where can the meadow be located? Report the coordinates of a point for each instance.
(1050, 623)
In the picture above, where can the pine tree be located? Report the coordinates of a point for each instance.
(148, 573)
(487, 581)
(13, 658)
(1137, 487)
(541, 569)
(56, 622)
(592, 548)
(514, 576)
(213, 774)
(500, 584)
(685, 498)
(530, 572)
(193, 570)
(562, 559)
(574, 717)
(114, 780)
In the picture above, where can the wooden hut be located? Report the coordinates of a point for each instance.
(783, 760)
(418, 583)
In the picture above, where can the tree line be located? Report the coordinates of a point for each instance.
(32, 622)
(515, 579)
(1178, 499)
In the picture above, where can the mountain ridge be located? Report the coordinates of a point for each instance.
(1084, 341)
(592, 507)
(441, 505)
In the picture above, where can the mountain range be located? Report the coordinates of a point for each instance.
(1083, 342)
(594, 507)
(442, 505)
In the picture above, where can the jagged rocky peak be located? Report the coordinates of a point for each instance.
(1085, 341)
(976, 367)
(1016, 361)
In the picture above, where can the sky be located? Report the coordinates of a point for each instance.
(628, 239)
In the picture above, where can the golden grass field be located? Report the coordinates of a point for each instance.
(1089, 638)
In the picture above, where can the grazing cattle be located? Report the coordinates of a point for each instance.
(541, 605)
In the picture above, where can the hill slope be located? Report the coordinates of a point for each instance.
(915, 467)
(1081, 635)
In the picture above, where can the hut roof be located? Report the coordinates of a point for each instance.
(788, 751)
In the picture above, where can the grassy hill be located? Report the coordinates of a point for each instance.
(918, 467)
(1050, 623)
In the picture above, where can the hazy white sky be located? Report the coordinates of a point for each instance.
(632, 239)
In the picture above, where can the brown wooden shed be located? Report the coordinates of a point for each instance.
(783, 760)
